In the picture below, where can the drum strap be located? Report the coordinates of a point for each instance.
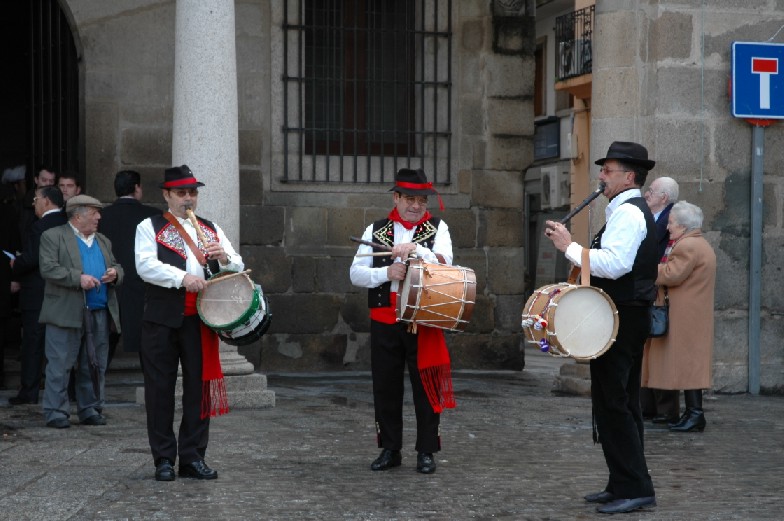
(187, 238)
(583, 271)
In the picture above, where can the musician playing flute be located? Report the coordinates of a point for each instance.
(408, 230)
(174, 258)
(623, 262)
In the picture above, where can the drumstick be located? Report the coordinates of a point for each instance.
(374, 254)
(224, 277)
(380, 254)
(373, 244)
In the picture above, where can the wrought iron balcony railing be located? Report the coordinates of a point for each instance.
(573, 33)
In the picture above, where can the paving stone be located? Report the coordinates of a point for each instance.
(512, 450)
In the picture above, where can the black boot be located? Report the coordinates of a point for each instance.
(693, 418)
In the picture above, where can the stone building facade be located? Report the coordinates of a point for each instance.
(295, 235)
(660, 77)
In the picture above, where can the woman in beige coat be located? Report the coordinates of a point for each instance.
(682, 360)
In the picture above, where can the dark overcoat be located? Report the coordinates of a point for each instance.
(118, 224)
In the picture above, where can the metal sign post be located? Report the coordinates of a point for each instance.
(758, 97)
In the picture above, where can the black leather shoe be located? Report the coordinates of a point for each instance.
(600, 497)
(620, 506)
(197, 469)
(59, 423)
(692, 420)
(426, 464)
(164, 470)
(95, 419)
(661, 419)
(18, 400)
(386, 460)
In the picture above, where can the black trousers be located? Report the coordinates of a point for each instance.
(32, 355)
(656, 402)
(162, 348)
(615, 393)
(392, 349)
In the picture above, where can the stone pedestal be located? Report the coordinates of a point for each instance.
(573, 378)
(245, 391)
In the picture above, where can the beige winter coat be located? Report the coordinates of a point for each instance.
(683, 358)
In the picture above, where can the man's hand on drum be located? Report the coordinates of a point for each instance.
(558, 233)
(192, 283)
(216, 251)
(403, 251)
(397, 271)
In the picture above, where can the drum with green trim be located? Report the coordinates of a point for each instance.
(235, 308)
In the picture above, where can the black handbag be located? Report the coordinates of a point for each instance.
(660, 317)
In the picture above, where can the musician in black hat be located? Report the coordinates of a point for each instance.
(623, 262)
(172, 260)
(409, 229)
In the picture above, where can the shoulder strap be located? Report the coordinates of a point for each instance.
(187, 238)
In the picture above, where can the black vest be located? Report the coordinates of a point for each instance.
(384, 233)
(637, 286)
(166, 306)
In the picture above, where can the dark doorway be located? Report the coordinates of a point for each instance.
(39, 97)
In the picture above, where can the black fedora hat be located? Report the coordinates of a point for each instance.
(628, 152)
(179, 177)
(412, 182)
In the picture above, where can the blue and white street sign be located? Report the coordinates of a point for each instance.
(758, 80)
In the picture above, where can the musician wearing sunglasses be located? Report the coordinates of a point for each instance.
(623, 263)
(408, 230)
(174, 258)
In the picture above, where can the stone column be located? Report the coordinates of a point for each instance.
(205, 137)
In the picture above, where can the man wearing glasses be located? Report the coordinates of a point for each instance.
(174, 262)
(623, 263)
(409, 229)
(47, 204)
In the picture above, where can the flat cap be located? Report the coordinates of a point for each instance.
(82, 200)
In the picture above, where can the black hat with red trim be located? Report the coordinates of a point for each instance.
(179, 177)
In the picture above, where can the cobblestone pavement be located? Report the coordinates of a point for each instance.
(511, 450)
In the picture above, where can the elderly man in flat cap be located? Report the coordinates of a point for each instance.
(80, 273)
(623, 261)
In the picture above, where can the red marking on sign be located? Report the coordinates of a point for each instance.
(765, 65)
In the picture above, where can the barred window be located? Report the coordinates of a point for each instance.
(367, 89)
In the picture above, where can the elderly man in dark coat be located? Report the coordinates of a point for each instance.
(118, 224)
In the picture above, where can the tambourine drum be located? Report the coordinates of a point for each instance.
(235, 308)
(437, 295)
(580, 322)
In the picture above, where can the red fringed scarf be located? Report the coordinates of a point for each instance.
(394, 215)
(435, 368)
(214, 400)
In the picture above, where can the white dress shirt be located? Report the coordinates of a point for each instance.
(364, 275)
(620, 241)
(152, 270)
